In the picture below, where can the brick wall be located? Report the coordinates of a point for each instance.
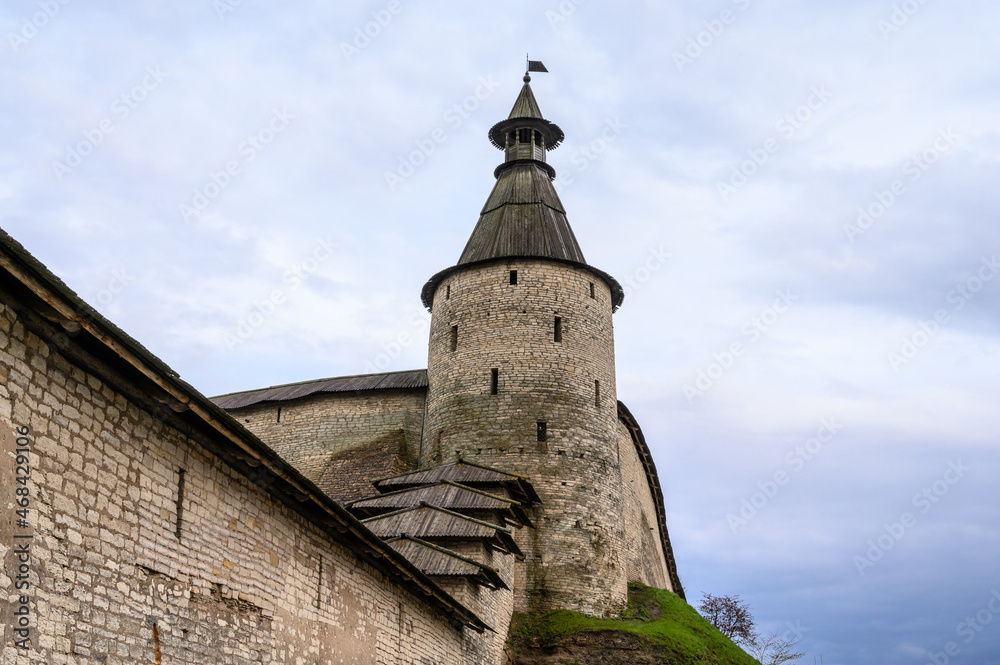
(111, 582)
(575, 555)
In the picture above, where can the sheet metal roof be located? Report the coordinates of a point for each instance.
(434, 523)
(464, 473)
(416, 378)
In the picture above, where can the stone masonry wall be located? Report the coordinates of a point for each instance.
(575, 555)
(646, 562)
(248, 580)
(313, 430)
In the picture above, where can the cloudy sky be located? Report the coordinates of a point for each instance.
(801, 199)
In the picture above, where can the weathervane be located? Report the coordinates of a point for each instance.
(533, 66)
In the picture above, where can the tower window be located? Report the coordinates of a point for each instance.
(512, 137)
(538, 139)
(447, 291)
(494, 381)
(557, 330)
(513, 277)
(592, 290)
(454, 338)
(524, 136)
(597, 392)
(542, 431)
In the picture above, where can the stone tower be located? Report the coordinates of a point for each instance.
(521, 374)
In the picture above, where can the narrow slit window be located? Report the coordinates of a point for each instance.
(557, 330)
(454, 338)
(592, 290)
(279, 415)
(180, 503)
(319, 583)
(447, 291)
(542, 430)
(494, 381)
(513, 277)
(597, 392)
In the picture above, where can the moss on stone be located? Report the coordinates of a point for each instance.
(657, 627)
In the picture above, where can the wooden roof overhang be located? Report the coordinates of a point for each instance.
(436, 524)
(45, 305)
(552, 135)
(445, 494)
(465, 473)
(438, 561)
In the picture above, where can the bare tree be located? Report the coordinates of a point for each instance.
(773, 649)
(731, 616)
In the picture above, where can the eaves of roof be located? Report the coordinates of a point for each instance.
(48, 306)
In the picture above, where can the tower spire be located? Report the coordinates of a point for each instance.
(523, 216)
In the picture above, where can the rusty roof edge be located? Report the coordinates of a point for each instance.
(646, 457)
(48, 288)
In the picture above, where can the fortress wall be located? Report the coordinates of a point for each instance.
(574, 555)
(646, 562)
(314, 428)
(110, 580)
(494, 606)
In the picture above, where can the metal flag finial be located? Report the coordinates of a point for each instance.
(533, 66)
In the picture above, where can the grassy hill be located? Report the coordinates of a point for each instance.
(658, 627)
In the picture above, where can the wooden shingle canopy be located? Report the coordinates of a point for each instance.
(436, 561)
(436, 524)
(447, 494)
(464, 473)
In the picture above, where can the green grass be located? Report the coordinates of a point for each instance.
(669, 626)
